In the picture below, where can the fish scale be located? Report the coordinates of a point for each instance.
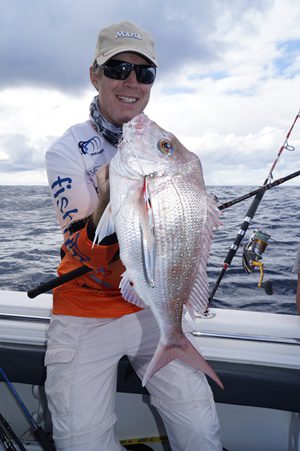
(164, 222)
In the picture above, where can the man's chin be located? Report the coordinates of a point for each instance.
(128, 117)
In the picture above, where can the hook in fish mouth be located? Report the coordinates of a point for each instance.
(151, 175)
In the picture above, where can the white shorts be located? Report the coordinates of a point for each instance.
(82, 360)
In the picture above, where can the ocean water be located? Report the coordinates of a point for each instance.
(30, 241)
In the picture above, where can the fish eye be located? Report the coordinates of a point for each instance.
(165, 146)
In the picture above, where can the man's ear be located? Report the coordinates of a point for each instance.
(93, 78)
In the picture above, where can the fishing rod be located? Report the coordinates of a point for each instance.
(250, 214)
(57, 281)
(12, 433)
(262, 189)
(6, 441)
(37, 431)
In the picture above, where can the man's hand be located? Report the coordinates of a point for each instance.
(102, 176)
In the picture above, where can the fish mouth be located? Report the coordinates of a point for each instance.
(127, 99)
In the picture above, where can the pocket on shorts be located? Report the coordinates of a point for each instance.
(60, 365)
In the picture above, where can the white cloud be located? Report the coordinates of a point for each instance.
(228, 83)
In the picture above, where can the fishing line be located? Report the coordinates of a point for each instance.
(250, 214)
(261, 135)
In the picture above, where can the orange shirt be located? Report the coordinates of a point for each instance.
(95, 294)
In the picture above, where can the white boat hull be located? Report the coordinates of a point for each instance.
(257, 356)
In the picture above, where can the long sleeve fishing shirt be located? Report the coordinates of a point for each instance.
(72, 162)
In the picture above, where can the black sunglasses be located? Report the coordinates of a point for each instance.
(120, 70)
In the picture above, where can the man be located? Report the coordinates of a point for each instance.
(296, 269)
(92, 327)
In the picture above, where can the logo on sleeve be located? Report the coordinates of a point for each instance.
(91, 147)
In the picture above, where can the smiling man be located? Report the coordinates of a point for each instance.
(92, 326)
(120, 102)
(123, 71)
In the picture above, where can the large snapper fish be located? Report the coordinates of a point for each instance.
(164, 222)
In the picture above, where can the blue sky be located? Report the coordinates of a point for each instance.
(228, 84)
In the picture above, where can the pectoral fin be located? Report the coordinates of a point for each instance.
(128, 292)
(105, 226)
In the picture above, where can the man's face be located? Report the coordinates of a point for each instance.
(122, 100)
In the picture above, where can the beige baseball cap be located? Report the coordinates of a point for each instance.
(124, 37)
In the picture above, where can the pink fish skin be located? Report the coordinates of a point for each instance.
(164, 220)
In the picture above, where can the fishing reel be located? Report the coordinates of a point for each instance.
(252, 256)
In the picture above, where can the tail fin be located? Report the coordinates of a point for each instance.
(183, 350)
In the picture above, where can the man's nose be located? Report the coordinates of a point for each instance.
(131, 79)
